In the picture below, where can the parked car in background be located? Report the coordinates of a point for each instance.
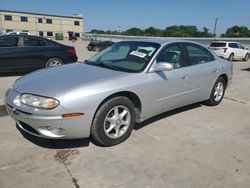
(99, 45)
(128, 82)
(21, 54)
(230, 50)
(18, 33)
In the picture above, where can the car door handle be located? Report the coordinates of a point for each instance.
(185, 77)
(215, 71)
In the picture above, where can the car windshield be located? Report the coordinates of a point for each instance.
(218, 44)
(126, 56)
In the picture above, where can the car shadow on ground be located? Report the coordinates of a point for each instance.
(246, 69)
(166, 114)
(76, 143)
(11, 74)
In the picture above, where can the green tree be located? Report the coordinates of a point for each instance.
(134, 32)
(237, 31)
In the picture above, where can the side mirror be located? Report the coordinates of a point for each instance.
(162, 66)
(246, 48)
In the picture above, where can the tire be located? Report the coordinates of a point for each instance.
(217, 92)
(54, 62)
(113, 122)
(231, 57)
(246, 57)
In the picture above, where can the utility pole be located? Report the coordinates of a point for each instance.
(215, 26)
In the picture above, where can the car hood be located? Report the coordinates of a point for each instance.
(55, 81)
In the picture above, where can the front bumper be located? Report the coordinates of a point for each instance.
(48, 125)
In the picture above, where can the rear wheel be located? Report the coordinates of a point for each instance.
(217, 92)
(54, 62)
(114, 121)
(246, 57)
(231, 57)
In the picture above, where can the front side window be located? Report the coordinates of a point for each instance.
(126, 56)
(32, 42)
(24, 19)
(8, 17)
(9, 42)
(198, 54)
(172, 54)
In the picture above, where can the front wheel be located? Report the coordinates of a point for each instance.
(114, 121)
(217, 93)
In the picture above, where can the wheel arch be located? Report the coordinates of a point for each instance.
(131, 96)
(225, 77)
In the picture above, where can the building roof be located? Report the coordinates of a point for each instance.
(76, 17)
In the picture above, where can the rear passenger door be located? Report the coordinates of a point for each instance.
(203, 71)
(32, 52)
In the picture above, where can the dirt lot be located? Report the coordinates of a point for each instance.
(192, 147)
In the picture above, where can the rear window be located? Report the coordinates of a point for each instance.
(218, 44)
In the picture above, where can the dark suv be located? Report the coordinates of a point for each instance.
(21, 54)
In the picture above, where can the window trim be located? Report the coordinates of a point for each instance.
(41, 19)
(6, 16)
(76, 22)
(49, 35)
(47, 19)
(23, 18)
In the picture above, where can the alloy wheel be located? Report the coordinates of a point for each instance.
(117, 121)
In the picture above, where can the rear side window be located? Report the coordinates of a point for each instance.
(198, 54)
(33, 42)
(9, 42)
(233, 45)
(218, 44)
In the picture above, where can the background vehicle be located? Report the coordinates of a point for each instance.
(99, 45)
(230, 50)
(128, 82)
(18, 33)
(19, 53)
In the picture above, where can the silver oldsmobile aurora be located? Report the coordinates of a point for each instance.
(126, 83)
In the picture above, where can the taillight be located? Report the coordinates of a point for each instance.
(225, 49)
(71, 51)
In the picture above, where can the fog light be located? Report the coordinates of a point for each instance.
(52, 131)
(57, 131)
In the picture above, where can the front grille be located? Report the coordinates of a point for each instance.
(28, 128)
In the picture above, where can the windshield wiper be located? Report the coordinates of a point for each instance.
(107, 65)
(101, 64)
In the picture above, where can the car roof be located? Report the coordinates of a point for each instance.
(163, 41)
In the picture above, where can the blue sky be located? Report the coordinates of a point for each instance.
(111, 14)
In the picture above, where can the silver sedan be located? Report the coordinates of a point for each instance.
(126, 83)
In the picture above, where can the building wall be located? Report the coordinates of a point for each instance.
(60, 24)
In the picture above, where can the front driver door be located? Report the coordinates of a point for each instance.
(169, 88)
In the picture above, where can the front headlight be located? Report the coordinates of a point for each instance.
(38, 101)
